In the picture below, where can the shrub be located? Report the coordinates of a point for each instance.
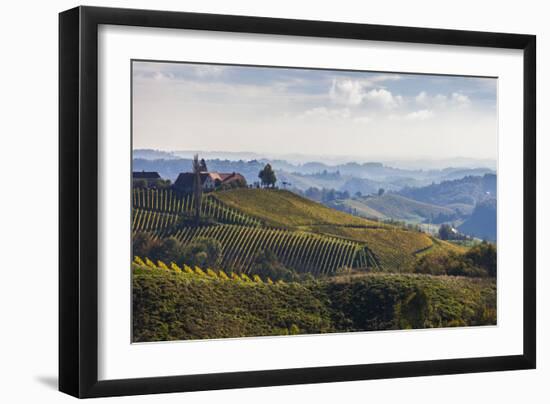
(484, 255)
(169, 249)
(471, 264)
(143, 243)
(202, 252)
(267, 265)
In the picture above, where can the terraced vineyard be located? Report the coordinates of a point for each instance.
(167, 201)
(395, 249)
(149, 220)
(304, 235)
(303, 251)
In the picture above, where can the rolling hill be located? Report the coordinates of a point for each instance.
(303, 234)
(483, 221)
(357, 207)
(279, 208)
(397, 207)
(465, 191)
(168, 305)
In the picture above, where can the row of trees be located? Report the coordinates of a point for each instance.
(142, 183)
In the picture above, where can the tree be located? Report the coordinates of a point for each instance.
(267, 265)
(445, 232)
(168, 250)
(197, 188)
(140, 183)
(485, 256)
(143, 244)
(202, 252)
(267, 176)
(381, 191)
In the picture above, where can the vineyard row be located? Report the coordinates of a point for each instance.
(208, 273)
(303, 251)
(168, 202)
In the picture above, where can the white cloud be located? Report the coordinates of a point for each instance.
(209, 70)
(348, 92)
(326, 113)
(420, 115)
(383, 98)
(460, 100)
(440, 101)
(421, 98)
(362, 119)
(385, 77)
(356, 92)
(159, 75)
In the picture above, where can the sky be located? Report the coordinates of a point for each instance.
(278, 111)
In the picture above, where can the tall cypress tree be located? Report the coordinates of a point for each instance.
(197, 188)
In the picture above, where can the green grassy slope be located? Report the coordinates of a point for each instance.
(180, 306)
(281, 208)
(358, 208)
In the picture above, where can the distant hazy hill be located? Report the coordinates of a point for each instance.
(353, 177)
(171, 168)
(151, 154)
(466, 191)
(356, 206)
(483, 221)
(366, 186)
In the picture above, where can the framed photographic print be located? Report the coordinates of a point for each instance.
(250, 201)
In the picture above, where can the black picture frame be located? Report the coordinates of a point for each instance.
(78, 196)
